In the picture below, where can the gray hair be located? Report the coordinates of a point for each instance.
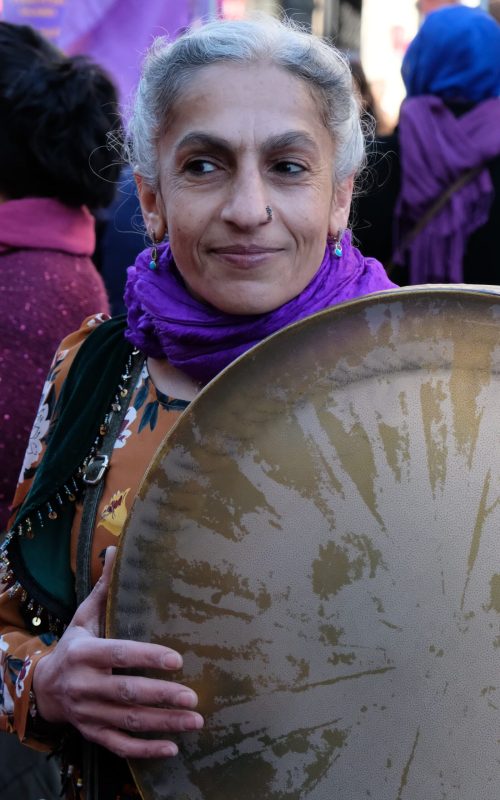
(169, 68)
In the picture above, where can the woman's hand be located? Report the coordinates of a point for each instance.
(74, 684)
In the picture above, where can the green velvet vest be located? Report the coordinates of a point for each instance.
(39, 564)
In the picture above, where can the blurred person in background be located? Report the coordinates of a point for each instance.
(432, 207)
(55, 115)
(120, 239)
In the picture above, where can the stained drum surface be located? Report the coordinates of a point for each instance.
(319, 536)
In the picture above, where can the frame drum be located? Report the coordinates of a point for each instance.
(319, 536)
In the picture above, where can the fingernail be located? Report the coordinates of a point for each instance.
(195, 722)
(172, 661)
(187, 698)
(170, 750)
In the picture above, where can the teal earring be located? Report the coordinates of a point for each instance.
(337, 245)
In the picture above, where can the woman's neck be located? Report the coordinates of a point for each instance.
(171, 381)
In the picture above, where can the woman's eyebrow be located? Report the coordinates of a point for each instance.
(280, 141)
(291, 139)
(204, 140)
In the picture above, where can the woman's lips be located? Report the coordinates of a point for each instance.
(245, 256)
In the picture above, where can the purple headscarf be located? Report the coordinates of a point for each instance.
(454, 58)
(436, 149)
(165, 321)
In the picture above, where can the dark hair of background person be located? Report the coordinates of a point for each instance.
(56, 113)
(365, 93)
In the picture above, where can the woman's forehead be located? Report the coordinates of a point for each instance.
(242, 102)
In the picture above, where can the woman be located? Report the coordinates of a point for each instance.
(245, 141)
(439, 174)
(56, 113)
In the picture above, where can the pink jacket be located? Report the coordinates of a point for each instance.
(48, 285)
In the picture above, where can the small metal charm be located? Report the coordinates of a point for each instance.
(337, 245)
(153, 264)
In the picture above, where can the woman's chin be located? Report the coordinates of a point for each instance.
(250, 305)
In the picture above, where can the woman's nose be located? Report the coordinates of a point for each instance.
(247, 200)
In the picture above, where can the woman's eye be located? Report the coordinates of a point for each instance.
(200, 167)
(288, 167)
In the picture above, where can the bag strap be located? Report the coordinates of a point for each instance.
(435, 208)
(93, 478)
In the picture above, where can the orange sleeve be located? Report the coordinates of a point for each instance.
(19, 653)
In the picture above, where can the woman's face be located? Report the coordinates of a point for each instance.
(243, 138)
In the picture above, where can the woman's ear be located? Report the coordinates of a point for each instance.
(152, 209)
(341, 206)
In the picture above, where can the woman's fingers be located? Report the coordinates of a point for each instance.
(75, 683)
(136, 719)
(149, 692)
(126, 746)
(129, 690)
(109, 654)
(91, 613)
(109, 560)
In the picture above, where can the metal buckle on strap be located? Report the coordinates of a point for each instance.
(95, 470)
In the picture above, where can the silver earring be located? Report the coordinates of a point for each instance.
(337, 245)
(153, 264)
(269, 213)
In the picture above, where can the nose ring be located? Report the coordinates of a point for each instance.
(269, 213)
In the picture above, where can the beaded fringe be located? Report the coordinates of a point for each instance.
(69, 492)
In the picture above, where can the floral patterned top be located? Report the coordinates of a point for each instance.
(149, 417)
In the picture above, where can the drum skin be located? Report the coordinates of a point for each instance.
(319, 536)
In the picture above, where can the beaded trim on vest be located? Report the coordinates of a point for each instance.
(72, 490)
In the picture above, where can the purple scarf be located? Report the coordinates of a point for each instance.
(436, 148)
(165, 321)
